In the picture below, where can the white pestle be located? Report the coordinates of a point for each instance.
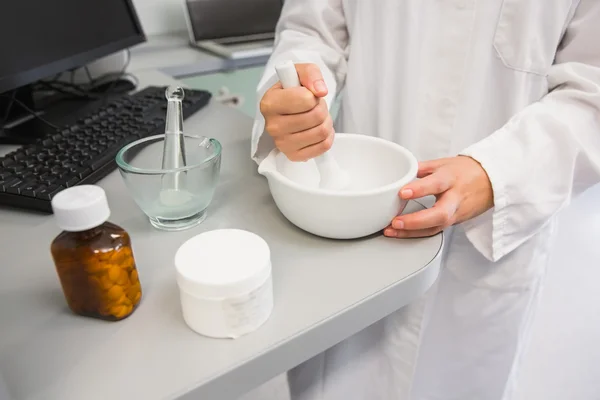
(332, 176)
(173, 191)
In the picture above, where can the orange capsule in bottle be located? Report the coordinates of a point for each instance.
(93, 257)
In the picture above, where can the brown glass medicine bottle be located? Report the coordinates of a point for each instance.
(93, 257)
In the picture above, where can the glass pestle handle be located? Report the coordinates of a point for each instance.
(174, 146)
(174, 151)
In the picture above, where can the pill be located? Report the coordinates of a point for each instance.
(137, 298)
(103, 255)
(126, 301)
(106, 283)
(121, 256)
(115, 292)
(95, 266)
(114, 273)
(123, 277)
(134, 276)
(120, 311)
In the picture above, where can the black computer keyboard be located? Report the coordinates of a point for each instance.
(84, 152)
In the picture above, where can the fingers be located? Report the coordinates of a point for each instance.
(313, 151)
(434, 184)
(281, 125)
(302, 136)
(441, 215)
(311, 78)
(429, 167)
(279, 101)
(302, 146)
(296, 100)
(390, 232)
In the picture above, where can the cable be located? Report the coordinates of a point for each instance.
(30, 111)
(61, 87)
(116, 76)
(9, 106)
(87, 72)
(87, 90)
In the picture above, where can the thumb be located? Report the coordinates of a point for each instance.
(311, 78)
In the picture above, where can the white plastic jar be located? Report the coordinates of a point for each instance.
(225, 282)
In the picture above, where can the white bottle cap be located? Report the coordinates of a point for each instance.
(222, 263)
(80, 208)
(225, 283)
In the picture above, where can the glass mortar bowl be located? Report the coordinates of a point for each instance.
(173, 199)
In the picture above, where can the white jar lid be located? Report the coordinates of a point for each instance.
(222, 263)
(80, 208)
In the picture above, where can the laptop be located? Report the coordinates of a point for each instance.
(233, 28)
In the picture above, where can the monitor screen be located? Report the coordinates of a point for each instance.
(217, 19)
(41, 38)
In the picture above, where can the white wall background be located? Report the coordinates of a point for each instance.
(564, 361)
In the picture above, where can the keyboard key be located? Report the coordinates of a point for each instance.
(50, 179)
(15, 187)
(5, 184)
(28, 189)
(82, 172)
(49, 192)
(29, 175)
(102, 161)
(72, 182)
(7, 162)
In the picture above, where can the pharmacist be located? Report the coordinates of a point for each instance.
(500, 100)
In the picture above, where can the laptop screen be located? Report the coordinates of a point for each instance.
(218, 19)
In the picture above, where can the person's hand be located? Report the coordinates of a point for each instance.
(297, 118)
(462, 190)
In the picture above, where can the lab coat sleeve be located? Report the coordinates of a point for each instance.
(308, 31)
(549, 152)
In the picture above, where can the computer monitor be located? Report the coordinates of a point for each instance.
(42, 38)
(233, 28)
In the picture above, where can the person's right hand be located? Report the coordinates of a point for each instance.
(297, 118)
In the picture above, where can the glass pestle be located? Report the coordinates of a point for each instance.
(173, 184)
(174, 150)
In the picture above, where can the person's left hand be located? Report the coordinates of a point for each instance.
(462, 190)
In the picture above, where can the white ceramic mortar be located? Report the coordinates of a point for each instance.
(377, 168)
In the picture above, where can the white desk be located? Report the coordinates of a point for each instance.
(325, 291)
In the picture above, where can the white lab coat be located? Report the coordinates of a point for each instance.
(513, 83)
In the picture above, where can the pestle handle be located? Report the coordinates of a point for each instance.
(288, 76)
(174, 143)
(332, 176)
(174, 149)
